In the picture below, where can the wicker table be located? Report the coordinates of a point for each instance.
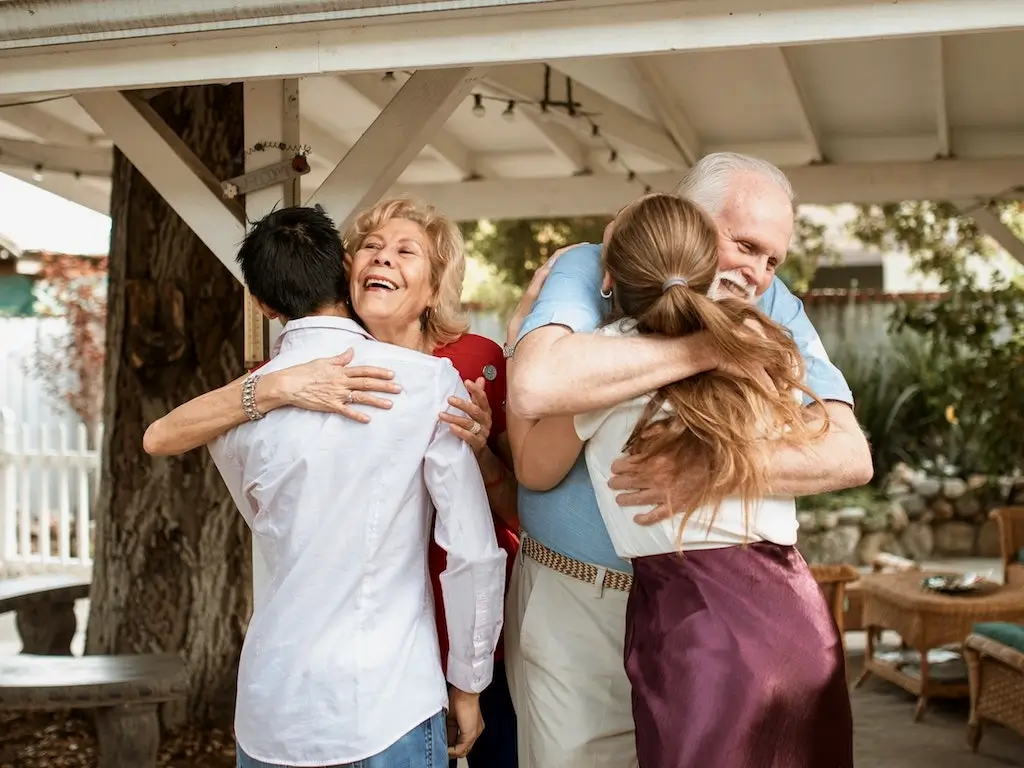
(927, 620)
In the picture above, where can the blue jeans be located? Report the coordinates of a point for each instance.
(425, 746)
(496, 747)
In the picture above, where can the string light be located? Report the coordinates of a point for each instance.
(37, 173)
(389, 78)
(546, 107)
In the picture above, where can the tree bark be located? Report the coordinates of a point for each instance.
(173, 568)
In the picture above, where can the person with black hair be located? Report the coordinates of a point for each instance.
(341, 663)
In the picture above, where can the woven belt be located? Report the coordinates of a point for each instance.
(575, 569)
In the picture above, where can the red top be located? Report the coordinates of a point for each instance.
(475, 356)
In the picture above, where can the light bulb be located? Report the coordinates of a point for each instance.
(510, 112)
(478, 105)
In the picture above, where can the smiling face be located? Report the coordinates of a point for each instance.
(755, 226)
(390, 280)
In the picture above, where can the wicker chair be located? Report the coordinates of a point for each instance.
(996, 674)
(833, 580)
(1011, 539)
(883, 563)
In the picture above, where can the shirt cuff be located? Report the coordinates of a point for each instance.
(470, 677)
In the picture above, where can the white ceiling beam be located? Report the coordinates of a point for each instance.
(561, 140)
(823, 184)
(86, 161)
(988, 221)
(422, 105)
(511, 34)
(618, 124)
(659, 94)
(974, 145)
(44, 126)
(91, 194)
(941, 109)
(797, 99)
(611, 78)
(187, 186)
(323, 144)
(442, 143)
(78, 21)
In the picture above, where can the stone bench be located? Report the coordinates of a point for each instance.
(45, 611)
(123, 690)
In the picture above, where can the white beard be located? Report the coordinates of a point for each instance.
(731, 285)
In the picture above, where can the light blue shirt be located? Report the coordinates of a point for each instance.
(566, 518)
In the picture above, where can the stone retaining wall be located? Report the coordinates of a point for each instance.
(921, 517)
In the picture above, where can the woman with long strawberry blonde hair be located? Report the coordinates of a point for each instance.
(731, 652)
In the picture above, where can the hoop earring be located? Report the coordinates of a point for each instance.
(606, 294)
(424, 319)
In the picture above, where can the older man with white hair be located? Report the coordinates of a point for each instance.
(567, 603)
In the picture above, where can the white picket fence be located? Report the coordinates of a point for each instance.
(48, 477)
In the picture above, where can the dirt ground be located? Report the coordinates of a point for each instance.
(885, 732)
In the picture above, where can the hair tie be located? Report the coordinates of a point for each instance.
(671, 282)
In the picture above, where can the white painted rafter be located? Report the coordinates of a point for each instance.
(988, 221)
(84, 161)
(422, 105)
(826, 184)
(794, 94)
(616, 123)
(941, 109)
(187, 186)
(563, 141)
(658, 93)
(442, 143)
(44, 126)
(511, 33)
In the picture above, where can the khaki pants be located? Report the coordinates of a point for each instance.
(563, 653)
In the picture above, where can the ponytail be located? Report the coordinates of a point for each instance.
(724, 422)
(663, 257)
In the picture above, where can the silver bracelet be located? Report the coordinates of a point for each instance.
(249, 398)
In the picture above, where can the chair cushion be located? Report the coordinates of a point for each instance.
(1011, 635)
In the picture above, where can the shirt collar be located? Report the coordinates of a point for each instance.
(320, 322)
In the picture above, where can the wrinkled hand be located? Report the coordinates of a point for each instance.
(329, 385)
(465, 707)
(529, 297)
(477, 411)
(651, 482)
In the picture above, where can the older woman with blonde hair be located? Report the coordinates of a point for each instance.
(405, 264)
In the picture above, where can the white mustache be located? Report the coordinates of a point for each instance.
(734, 278)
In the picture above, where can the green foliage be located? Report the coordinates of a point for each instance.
(517, 248)
(865, 497)
(890, 387)
(975, 334)
(807, 252)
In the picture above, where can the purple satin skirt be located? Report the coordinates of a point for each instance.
(735, 662)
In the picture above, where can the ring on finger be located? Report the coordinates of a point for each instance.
(350, 397)
(477, 427)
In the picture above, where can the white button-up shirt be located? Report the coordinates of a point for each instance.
(341, 656)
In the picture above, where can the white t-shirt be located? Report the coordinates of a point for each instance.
(606, 432)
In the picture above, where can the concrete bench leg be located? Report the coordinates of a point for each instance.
(128, 736)
(47, 629)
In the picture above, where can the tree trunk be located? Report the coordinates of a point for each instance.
(173, 568)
